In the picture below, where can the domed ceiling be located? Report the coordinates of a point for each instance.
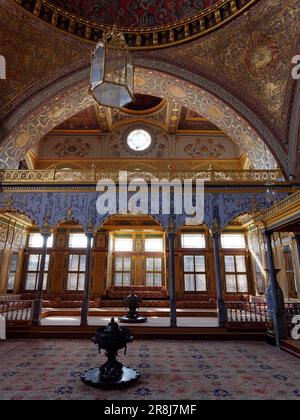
(135, 13)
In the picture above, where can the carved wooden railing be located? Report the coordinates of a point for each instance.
(92, 176)
(16, 310)
(247, 312)
(256, 314)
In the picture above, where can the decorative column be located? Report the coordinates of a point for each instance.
(172, 230)
(88, 271)
(275, 298)
(38, 303)
(216, 236)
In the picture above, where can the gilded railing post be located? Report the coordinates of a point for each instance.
(233, 7)
(171, 35)
(218, 16)
(54, 19)
(138, 40)
(186, 30)
(202, 25)
(87, 32)
(71, 26)
(37, 8)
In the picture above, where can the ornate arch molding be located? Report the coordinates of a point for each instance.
(242, 111)
(17, 209)
(56, 206)
(68, 96)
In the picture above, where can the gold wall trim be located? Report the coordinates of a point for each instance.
(141, 38)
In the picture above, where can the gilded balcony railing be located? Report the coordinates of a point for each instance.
(93, 176)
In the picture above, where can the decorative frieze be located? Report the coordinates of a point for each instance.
(141, 38)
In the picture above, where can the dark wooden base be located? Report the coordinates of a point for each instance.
(140, 331)
(92, 378)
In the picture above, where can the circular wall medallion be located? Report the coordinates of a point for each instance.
(139, 140)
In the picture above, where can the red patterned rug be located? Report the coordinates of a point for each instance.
(179, 370)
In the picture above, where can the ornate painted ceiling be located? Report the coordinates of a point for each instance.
(180, 138)
(161, 113)
(148, 24)
(137, 13)
(246, 66)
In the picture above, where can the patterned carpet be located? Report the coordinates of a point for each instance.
(38, 369)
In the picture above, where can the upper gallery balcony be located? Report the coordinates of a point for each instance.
(70, 177)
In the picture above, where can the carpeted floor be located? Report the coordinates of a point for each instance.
(179, 370)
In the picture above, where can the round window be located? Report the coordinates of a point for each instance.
(139, 140)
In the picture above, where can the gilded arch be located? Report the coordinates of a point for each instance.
(67, 97)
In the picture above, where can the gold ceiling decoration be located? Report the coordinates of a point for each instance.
(141, 38)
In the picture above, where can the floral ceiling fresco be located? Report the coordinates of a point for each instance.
(32, 55)
(136, 13)
(251, 56)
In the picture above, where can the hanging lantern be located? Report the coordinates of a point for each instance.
(112, 71)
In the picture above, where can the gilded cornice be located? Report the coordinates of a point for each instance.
(141, 38)
(281, 213)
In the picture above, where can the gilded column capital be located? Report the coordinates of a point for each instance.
(46, 230)
(172, 228)
(89, 229)
(216, 229)
(70, 214)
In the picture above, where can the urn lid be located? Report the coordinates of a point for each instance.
(133, 297)
(113, 328)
